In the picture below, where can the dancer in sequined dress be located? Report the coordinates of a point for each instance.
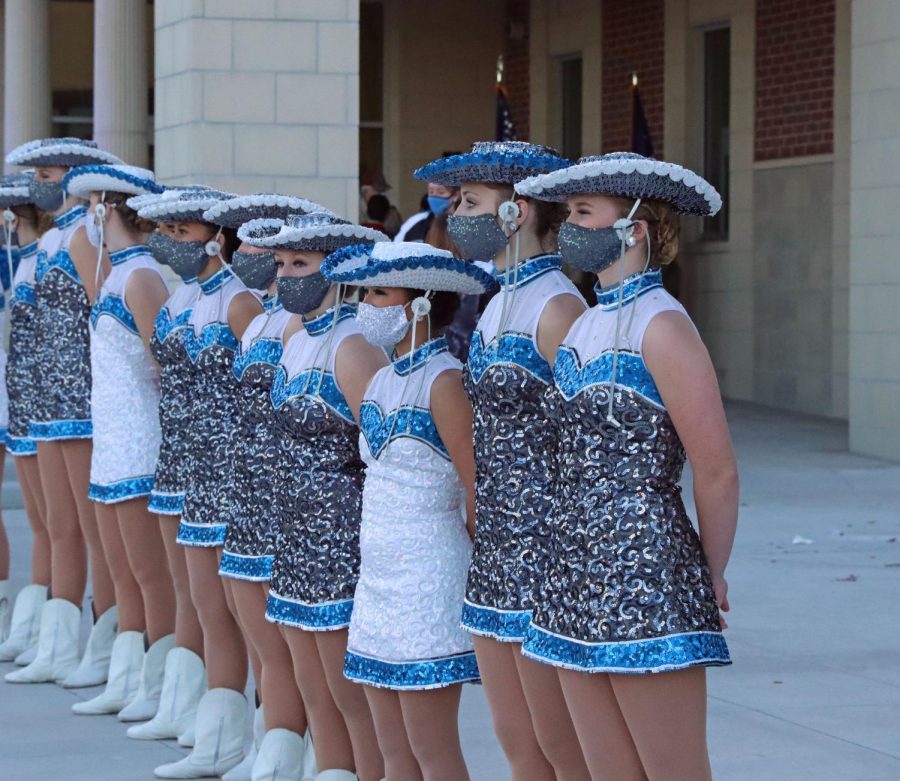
(23, 225)
(507, 374)
(316, 392)
(184, 674)
(124, 412)
(280, 727)
(62, 423)
(631, 588)
(405, 642)
(218, 319)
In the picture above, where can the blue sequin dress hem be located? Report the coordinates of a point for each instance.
(505, 626)
(414, 675)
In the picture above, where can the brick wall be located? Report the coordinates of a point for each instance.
(794, 78)
(515, 56)
(633, 40)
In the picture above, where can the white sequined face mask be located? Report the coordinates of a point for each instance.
(383, 326)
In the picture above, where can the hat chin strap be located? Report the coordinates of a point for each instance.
(100, 211)
(9, 226)
(624, 236)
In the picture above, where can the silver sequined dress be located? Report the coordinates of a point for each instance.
(404, 631)
(627, 589)
(125, 392)
(250, 538)
(62, 337)
(168, 347)
(319, 482)
(506, 379)
(21, 363)
(212, 388)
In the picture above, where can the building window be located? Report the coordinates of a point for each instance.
(716, 131)
(371, 86)
(73, 114)
(571, 107)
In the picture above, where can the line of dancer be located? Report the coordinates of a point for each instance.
(241, 416)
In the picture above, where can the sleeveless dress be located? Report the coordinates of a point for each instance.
(21, 364)
(506, 379)
(415, 550)
(5, 284)
(250, 538)
(627, 589)
(319, 482)
(125, 393)
(212, 389)
(62, 337)
(168, 347)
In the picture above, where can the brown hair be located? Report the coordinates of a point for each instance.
(663, 224)
(41, 220)
(549, 215)
(444, 304)
(129, 216)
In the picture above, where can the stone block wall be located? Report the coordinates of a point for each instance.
(260, 95)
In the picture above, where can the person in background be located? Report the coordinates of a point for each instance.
(378, 208)
(440, 201)
(374, 183)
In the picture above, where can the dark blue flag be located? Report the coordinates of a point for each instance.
(506, 128)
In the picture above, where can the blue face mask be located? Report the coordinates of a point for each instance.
(437, 204)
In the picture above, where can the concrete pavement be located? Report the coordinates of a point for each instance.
(814, 692)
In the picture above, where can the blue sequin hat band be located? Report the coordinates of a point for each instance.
(14, 190)
(627, 175)
(408, 265)
(316, 232)
(65, 152)
(243, 208)
(87, 179)
(495, 162)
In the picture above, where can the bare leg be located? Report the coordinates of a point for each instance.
(67, 548)
(602, 731)
(666, 715)
(351, 701)
(4, 539)
(147, 559)
(255, 664)
(334, 751)
(225, 652)
(275, 680)
(432, 722)
(188, 633)
(399, 759)
(77, 456)
(36, 510)
(129, 602)
(509, 710)
(552, 723)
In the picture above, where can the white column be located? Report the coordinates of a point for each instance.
(26, 68)
(874, 356)
(121, 78)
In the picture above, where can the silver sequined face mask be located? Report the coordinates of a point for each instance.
(478, 238)
(186, 258)
(255, 269)
(301, 295)
(159, 247)
(383, 326)
(48, 196)
(591, 250)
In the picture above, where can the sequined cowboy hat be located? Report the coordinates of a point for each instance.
(129, 179)
(67, 152)
(316, 232)
(182, 204)
(406, 264)
(243, 208)
(14, 189)
(627, 175)
(497, 162)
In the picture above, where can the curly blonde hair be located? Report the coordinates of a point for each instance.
(664, 226)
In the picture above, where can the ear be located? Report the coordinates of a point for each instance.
(524, 210)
